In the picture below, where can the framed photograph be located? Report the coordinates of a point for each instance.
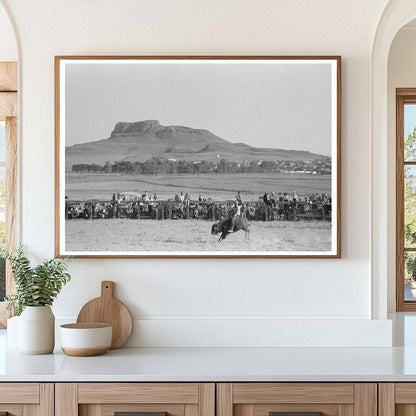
(198, 156)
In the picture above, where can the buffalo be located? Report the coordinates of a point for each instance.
(225, 226)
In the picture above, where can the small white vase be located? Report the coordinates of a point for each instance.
(37, 330)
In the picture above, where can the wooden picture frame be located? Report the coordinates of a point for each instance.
(105, 178)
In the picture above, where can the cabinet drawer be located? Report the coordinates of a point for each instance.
(397, 399)
(143, 409)
(152, 399)
(297, 399)
(21, 399)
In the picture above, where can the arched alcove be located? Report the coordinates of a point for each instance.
(396, 14)
(331, 297)
(9, 57)
(401, 74)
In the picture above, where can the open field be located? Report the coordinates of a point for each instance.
(84, 186)
(116, 235)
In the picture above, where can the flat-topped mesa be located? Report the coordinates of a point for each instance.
(141, 141)
(135, 128)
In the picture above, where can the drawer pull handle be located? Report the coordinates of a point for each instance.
(296, 414)
(139, 414)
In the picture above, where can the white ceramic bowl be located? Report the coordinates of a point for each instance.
(83, 340)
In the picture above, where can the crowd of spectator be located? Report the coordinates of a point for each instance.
(269, 206)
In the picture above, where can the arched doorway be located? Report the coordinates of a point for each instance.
(396, 14)
(8, 148)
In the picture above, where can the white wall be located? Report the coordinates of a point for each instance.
(179, 302)
(8, 47)
(401, 74)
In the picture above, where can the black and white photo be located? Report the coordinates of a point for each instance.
(198, 156)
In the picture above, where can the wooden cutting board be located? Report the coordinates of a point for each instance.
(107, 309)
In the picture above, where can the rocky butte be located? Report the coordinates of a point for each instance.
(142, 140)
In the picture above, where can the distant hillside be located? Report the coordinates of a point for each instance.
(142, 140)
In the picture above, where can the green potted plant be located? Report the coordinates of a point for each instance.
(36, 289)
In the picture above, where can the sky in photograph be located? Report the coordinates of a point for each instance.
(264, 105)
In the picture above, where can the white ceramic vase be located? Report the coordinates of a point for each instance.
(37, 330)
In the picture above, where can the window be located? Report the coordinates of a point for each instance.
(2, 206)
(406, 199)
(8, 171)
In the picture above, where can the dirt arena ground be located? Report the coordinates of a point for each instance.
(117, 235)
